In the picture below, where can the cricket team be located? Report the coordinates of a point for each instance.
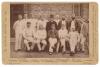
(53, 33)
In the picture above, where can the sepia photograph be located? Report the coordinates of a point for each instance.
(50, 31)
(42, 30)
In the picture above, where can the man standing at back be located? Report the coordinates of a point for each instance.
(25, 20)
(50, 22)
(18, 32)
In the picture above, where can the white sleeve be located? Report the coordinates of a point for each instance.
(69, 35)
(59, 34)
(45, 35)
(66, 33)
(22, 24)
(34, 33)
(15, 24)
(78, 37)
(24, 35)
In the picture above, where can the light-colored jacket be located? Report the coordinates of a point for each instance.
(63, 33)
(28, 34)
(18, 26)
(40, 34)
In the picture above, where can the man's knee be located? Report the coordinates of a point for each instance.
(36, 41)
(49, 39)
(44, 42)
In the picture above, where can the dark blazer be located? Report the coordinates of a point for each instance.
(60, 24)
(53, 34)
(48, 26)
(77, 25)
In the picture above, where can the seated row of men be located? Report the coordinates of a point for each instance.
(48, 35)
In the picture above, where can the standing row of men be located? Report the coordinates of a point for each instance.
(52, 32)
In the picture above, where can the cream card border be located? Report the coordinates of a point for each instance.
(93, 42)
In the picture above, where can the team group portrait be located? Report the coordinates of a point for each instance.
(49, 30)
